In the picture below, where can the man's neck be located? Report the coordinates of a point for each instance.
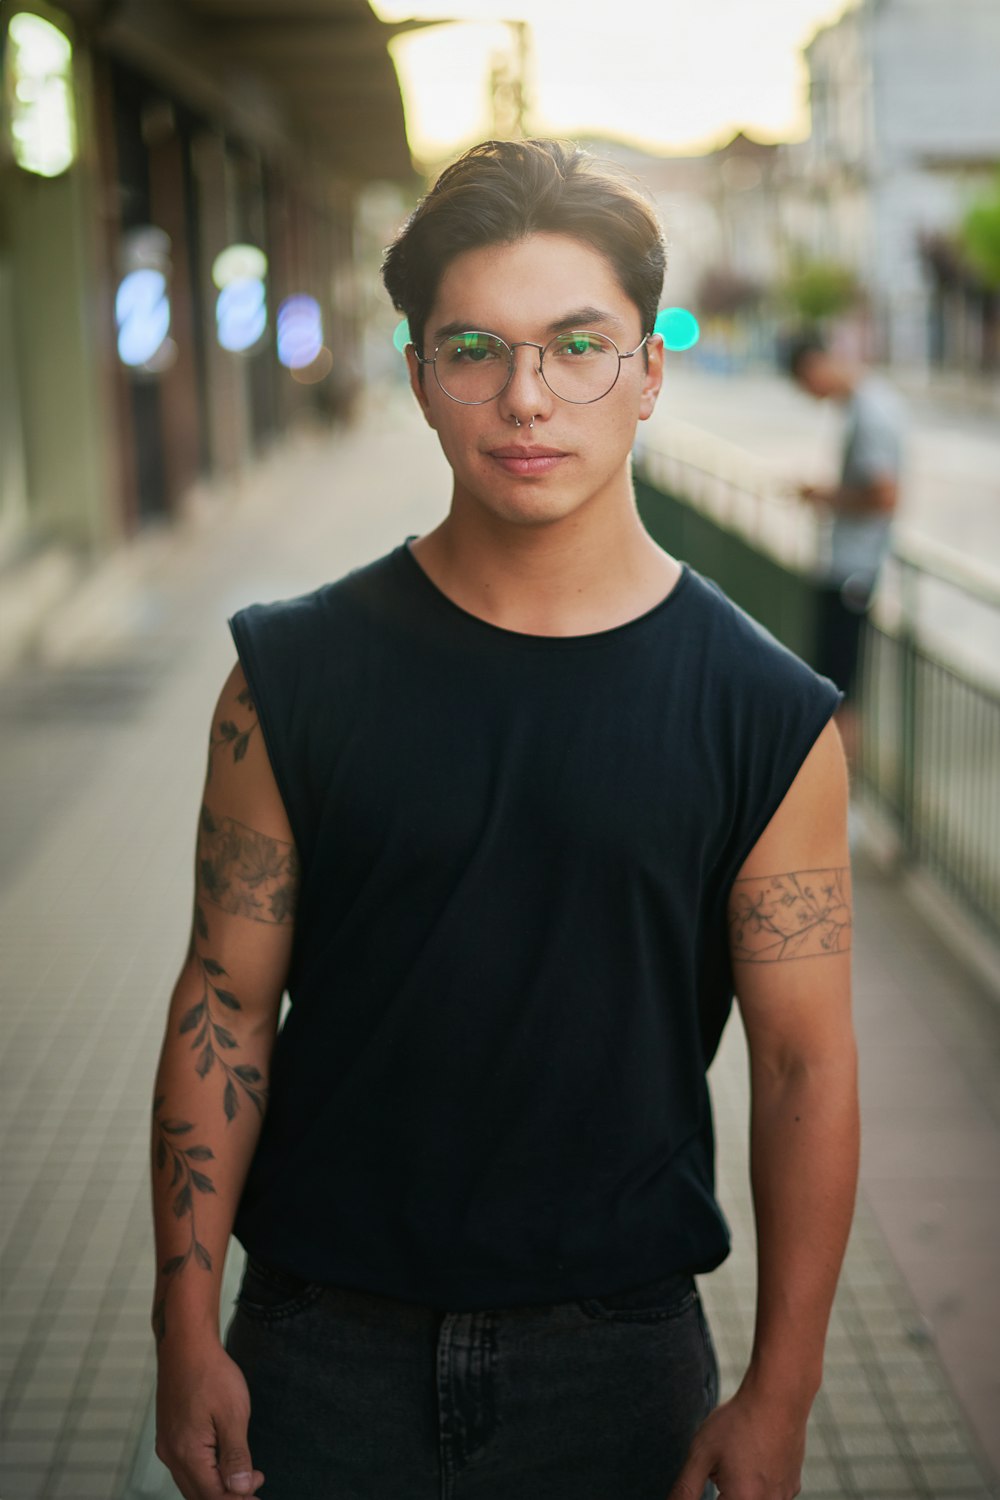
(576, 576)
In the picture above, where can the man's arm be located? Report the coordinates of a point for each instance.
(790, 925)
(211, 1094)
(878, 497)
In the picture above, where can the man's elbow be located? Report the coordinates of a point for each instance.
(831, 1063)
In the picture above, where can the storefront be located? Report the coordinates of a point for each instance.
(175, 241)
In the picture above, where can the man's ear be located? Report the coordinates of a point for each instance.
(417, 383)
(652, 376)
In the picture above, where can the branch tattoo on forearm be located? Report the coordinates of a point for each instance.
(173, 1156)
(801, 914)
(246, 874)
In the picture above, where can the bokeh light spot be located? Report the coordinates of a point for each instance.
(300, 331)
(239, 263)
(402, 336)
(241, 315)
(678, 328)
(40, 91)
(142, 312)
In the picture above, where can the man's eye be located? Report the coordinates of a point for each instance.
(472, 351)
(580, 344)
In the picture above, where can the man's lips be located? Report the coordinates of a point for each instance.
(527, 458)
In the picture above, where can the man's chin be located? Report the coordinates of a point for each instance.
(532, 509)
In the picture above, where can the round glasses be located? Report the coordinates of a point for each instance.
(580, 366)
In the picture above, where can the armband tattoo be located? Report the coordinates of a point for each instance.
(801, 914)
(245, 872)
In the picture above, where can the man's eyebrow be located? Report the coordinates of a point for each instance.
(580, 317)
(449, 330)
(584, 317)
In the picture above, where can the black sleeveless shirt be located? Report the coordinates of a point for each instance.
(510, 967)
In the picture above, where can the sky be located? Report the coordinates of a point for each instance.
(671, 75)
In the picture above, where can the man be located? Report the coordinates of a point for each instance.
(510, 811)
(860, 508)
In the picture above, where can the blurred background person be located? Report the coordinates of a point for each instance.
(860, 507)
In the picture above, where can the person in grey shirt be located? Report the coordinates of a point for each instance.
(859, 507)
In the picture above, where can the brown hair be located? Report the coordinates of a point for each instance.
(501, 191)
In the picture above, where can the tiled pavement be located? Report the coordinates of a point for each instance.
(99, 779)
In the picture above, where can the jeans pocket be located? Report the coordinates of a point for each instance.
(268, 1292)
(654, 1302)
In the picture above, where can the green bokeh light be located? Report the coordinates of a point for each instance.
(678, 328)
(402, 336)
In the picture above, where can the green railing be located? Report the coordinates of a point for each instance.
(930, 713)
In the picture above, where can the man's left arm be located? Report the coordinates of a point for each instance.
(790, 928)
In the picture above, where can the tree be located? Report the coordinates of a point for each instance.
(819, 289)
(980, 237)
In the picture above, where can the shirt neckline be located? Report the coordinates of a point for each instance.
(524, 638)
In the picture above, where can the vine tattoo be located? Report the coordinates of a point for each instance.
(213, 1040)
(802, 914)
(250, 875)
(173, 1156)
(230, 733)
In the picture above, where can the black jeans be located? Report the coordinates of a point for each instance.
(840, 618)
(360, 1397)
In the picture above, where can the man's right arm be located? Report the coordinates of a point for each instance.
(211, 1095)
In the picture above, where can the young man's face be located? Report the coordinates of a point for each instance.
(575, 455)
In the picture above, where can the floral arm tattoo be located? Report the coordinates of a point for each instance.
(247, 874)
(802, 914)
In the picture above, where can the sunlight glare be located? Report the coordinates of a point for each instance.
(665, 77)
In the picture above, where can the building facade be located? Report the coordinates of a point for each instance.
(177, 196)
(905, 100)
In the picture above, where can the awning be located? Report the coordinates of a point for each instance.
(316, 70)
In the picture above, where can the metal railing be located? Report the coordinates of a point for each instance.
(930, 724)
(930, 685)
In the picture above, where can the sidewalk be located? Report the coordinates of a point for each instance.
(100, 776)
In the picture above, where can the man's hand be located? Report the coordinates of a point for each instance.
(814, 494)
(750, 1448)
(202, 1414)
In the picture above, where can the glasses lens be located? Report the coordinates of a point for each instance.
(473, 367)
(580, 367)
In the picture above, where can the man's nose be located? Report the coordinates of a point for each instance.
(525, 364)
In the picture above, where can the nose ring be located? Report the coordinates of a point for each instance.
(517, 423)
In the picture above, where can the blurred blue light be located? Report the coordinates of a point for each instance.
(678, 328)
(402, 336)
(241, 314)
(300, 331)
(142, 312)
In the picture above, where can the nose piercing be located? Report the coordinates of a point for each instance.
(517, 423)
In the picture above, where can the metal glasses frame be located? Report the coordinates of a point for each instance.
(528, 344)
